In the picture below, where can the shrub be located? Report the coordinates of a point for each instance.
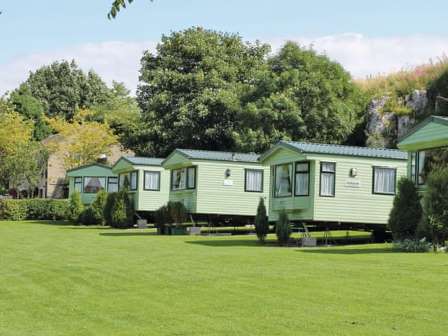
(14, 210)
(89, 217)
(412, 245)
(21, 209)
(98, 207)
(75, 207)
(261, 221)
(119, 210)
(283, 229)
(406, 212)
(162, 217)
(119, 217)
(177, 213)
(436, 206)
(107, 211)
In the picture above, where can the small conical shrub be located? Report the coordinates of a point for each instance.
(261, 222)
(406, 212)
(75, 207)
(283, 229)
(98, 207)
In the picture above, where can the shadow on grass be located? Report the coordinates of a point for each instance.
(228, 243)
(127, 234)
(333, 250)
(71, 227)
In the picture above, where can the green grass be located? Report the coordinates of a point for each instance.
(66, 280)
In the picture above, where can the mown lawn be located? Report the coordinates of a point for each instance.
(67, 280)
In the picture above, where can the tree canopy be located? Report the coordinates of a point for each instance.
(61, 88)
(210, 90)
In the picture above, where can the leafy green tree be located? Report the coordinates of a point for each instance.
(283, 228)
(120, 111)
(209, 90)
(304, 96)
(32, 109)
(25, 165)
(261, 221)
(62, 87)
(117, 5)
(435, 202)
(119, 210)
(406, 212)
(191, 90)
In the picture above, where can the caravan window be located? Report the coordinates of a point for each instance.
(384, 180)
(283, 180)
(327, 179)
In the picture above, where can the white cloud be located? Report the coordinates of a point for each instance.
(119, 61)
(363, 56)
(359, 54)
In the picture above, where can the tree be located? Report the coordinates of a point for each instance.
(209, 90)
(261, 221)
(191, 89)
(435, 202)
(406, 212)
(62, 87)
(15, 133)
(282, 228)
(303, 96)
(24, 167)
(120, 111)
(119, 210)
(117, 5)
(84, 141)
(31, 109)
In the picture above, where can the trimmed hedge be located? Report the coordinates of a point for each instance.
(45, 209)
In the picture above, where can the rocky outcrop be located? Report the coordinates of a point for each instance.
(383, 128)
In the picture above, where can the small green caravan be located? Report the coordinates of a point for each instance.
(90, 179)
(146, 180)
(217, 183)
(333, 183)
(427, 146)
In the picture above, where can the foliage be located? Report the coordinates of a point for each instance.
(76, 207)
(62, 87)
(435, 203)
(107, 212)
(406, 212)
(15, 140)
(412, 245)
(89, 217)
(98, 206)
(31, 109)
(177, 212)
(121, 112)
(261, 221)
(405, 81)
(209, 90)
(84, 141)
(302, 95)
(162, 217)
(431, 77)
(42, 209)
(25, 166)
(119, 210)
(283, 228)
(191, 89)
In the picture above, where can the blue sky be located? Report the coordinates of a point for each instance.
(365, 36)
